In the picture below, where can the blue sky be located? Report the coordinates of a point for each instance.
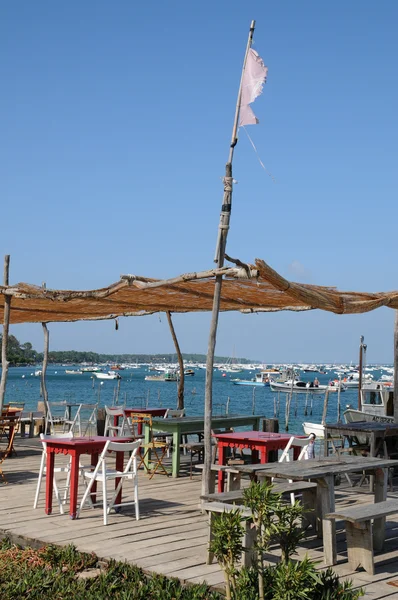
(115, 124)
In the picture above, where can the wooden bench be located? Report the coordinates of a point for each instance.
(233, 477)
(249, 535)
(306, 488)
(361, 540)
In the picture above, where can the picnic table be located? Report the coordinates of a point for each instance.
(323, 471)
(374, 431)
(186, 425)
(260, 443)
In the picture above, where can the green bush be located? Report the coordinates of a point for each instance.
(278, 522)
(294, 581)
(51, 574)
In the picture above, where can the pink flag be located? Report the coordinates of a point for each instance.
(254, 77)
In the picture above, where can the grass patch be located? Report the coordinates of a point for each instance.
(52, 573)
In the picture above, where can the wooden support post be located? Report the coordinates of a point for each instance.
(219, 259)
(271, 426)
(180, 393)
(45, 362)
(4, 340)
(396, 367)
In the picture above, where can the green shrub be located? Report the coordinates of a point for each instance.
(51, 574)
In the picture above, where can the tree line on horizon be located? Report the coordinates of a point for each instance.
(24, 354)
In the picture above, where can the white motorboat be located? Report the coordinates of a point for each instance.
(300, 387)
(377, 404)
(109, 375)
(72, 372)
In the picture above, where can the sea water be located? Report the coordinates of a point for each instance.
(24, 386)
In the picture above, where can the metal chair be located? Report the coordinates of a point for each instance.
(103, 473)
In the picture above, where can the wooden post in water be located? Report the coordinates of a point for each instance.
(325, 407)
(117, 391)
(338, 401)
(6, 327)
(219, 259)
(306, 404)
(361, 348)
(254, 401)
(180, 392)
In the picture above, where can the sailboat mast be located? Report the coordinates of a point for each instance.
(219, 259)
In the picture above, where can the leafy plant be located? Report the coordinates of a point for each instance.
(227, 545)
(287, 530)
(51, 574)
(263, 502)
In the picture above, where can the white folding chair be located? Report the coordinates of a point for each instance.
(90, 424)
(111, 429)
(55, 415)
(63, 469)
(70, 424)
(103, 473)
(295, 442)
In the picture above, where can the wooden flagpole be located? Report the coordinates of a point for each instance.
(4, 339)
(219, 259)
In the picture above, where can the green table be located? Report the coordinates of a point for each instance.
(186, 425)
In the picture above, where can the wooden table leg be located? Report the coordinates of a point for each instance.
(221, 461)
(380, 494)
(372, 453)
(176, 453)
(263, 455)
(74, 482)
(325, 506)
(119, 467)
(49, 481)
(94, 462)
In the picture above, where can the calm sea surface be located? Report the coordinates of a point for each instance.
(135, 391)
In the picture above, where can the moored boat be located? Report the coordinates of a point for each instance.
(377, 404)
(109, 375)
(300, 387)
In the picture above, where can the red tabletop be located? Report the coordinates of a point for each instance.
(260, 443)
(75, 447)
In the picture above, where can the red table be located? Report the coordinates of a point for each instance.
(154, 412)
(256, 441)
(75, 447)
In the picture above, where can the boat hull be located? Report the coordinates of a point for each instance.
(252, 383)
(287, 387)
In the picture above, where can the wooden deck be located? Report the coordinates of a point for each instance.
(171, 535)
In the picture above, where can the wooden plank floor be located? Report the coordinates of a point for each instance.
(171, 535)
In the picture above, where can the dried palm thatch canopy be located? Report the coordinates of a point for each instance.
(246, 288)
